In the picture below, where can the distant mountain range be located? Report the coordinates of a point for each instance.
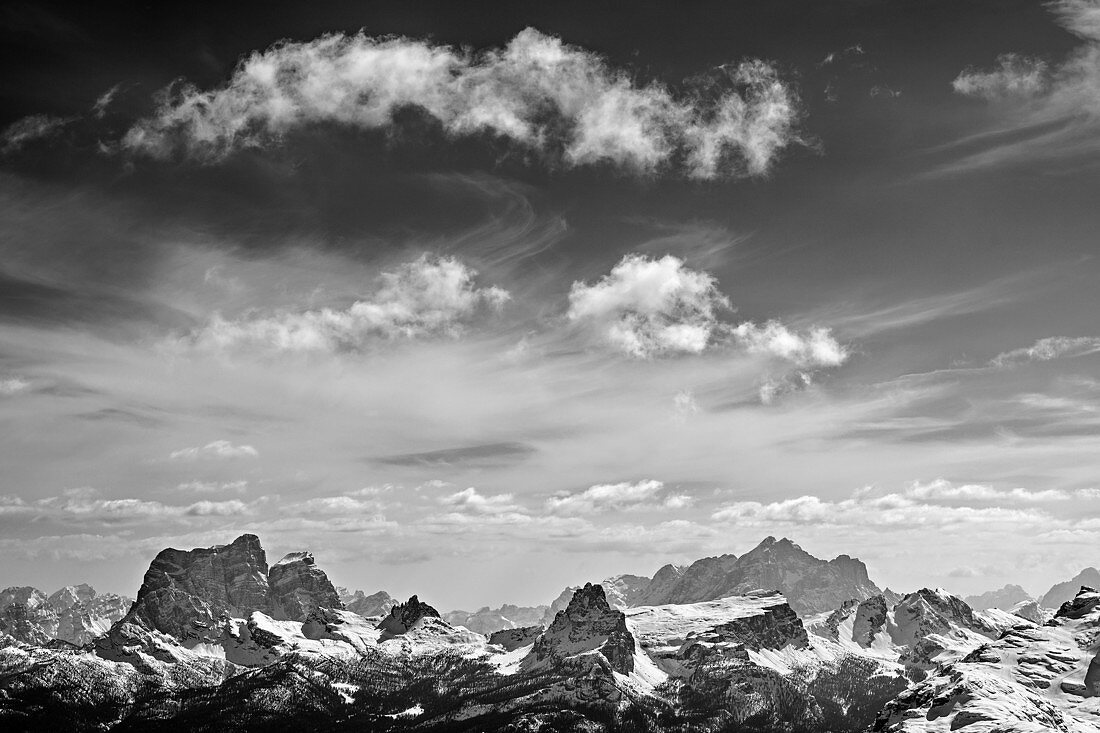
(774, 640)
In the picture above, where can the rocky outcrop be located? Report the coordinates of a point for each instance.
(1005, 598)
(588, 624)
(512, 639)
(405, 615)
(703, 580)
(376, 604)
(870, 621)
(1062, 592)
(1030, 610)
(297, 587)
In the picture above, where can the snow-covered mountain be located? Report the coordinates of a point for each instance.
(218, 641)
(375, 604)
(75, 614)
(1032, 678)
(489, 620)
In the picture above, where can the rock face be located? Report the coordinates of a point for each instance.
(404, 616)
(810, 585)
(1033, 678)
(298, 587)
(376, 604)
(191, 594)
(75, 614)
(930, 623)
(512, 639)
(185, 592)
(588, 624)
(1005, 598)
(1062, 592)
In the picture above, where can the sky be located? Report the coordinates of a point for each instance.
(477, 301)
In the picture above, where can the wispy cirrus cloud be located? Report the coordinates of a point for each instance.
(1045, 111)
(22, 132)
(562, 101)
(1048, 349)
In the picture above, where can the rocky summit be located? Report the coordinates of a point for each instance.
(588, 624)
(75, 614)
(297, 588)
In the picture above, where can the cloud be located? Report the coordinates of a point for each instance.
(488, 454)
(815, 348)
(216, 508)
(430, 296)
(29, 129)
(99, 109)
(12, 385)
(643, 495)
(1048, 349)
(537, 92)
(217, 449)
(1014, 76)
(650, 307)
(208, 487)
(942, 490)
(1047, 112)
(647, 307)
(470, 500)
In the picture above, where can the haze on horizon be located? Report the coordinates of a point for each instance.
(481, 305)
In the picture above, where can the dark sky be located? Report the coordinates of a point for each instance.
(706, 272)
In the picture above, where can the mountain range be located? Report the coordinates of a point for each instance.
(216, 639)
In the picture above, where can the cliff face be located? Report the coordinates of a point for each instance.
(297, 587)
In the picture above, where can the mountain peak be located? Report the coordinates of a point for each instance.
(404, 616)
(588, 624)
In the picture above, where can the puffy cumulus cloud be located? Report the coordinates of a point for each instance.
(643, 495)
(431, 296)
(560, 100)
(649, 307)
(1014, 76)
(646, 307)
(13, 385)
(814, 348)
(470, 500)
(1048, 349)
(216, 449)
(22, 132)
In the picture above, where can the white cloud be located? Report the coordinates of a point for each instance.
(1014, 76)
(814, 348)
(216, 449)
(12, 385)
(643, 495)
(648, 307)
(1055, 110)
(942, 490)
(430, 296)
(1047, 349)
(216, 508)
(209, 487)
(538, 92)
(470, 500)
(35, 127)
